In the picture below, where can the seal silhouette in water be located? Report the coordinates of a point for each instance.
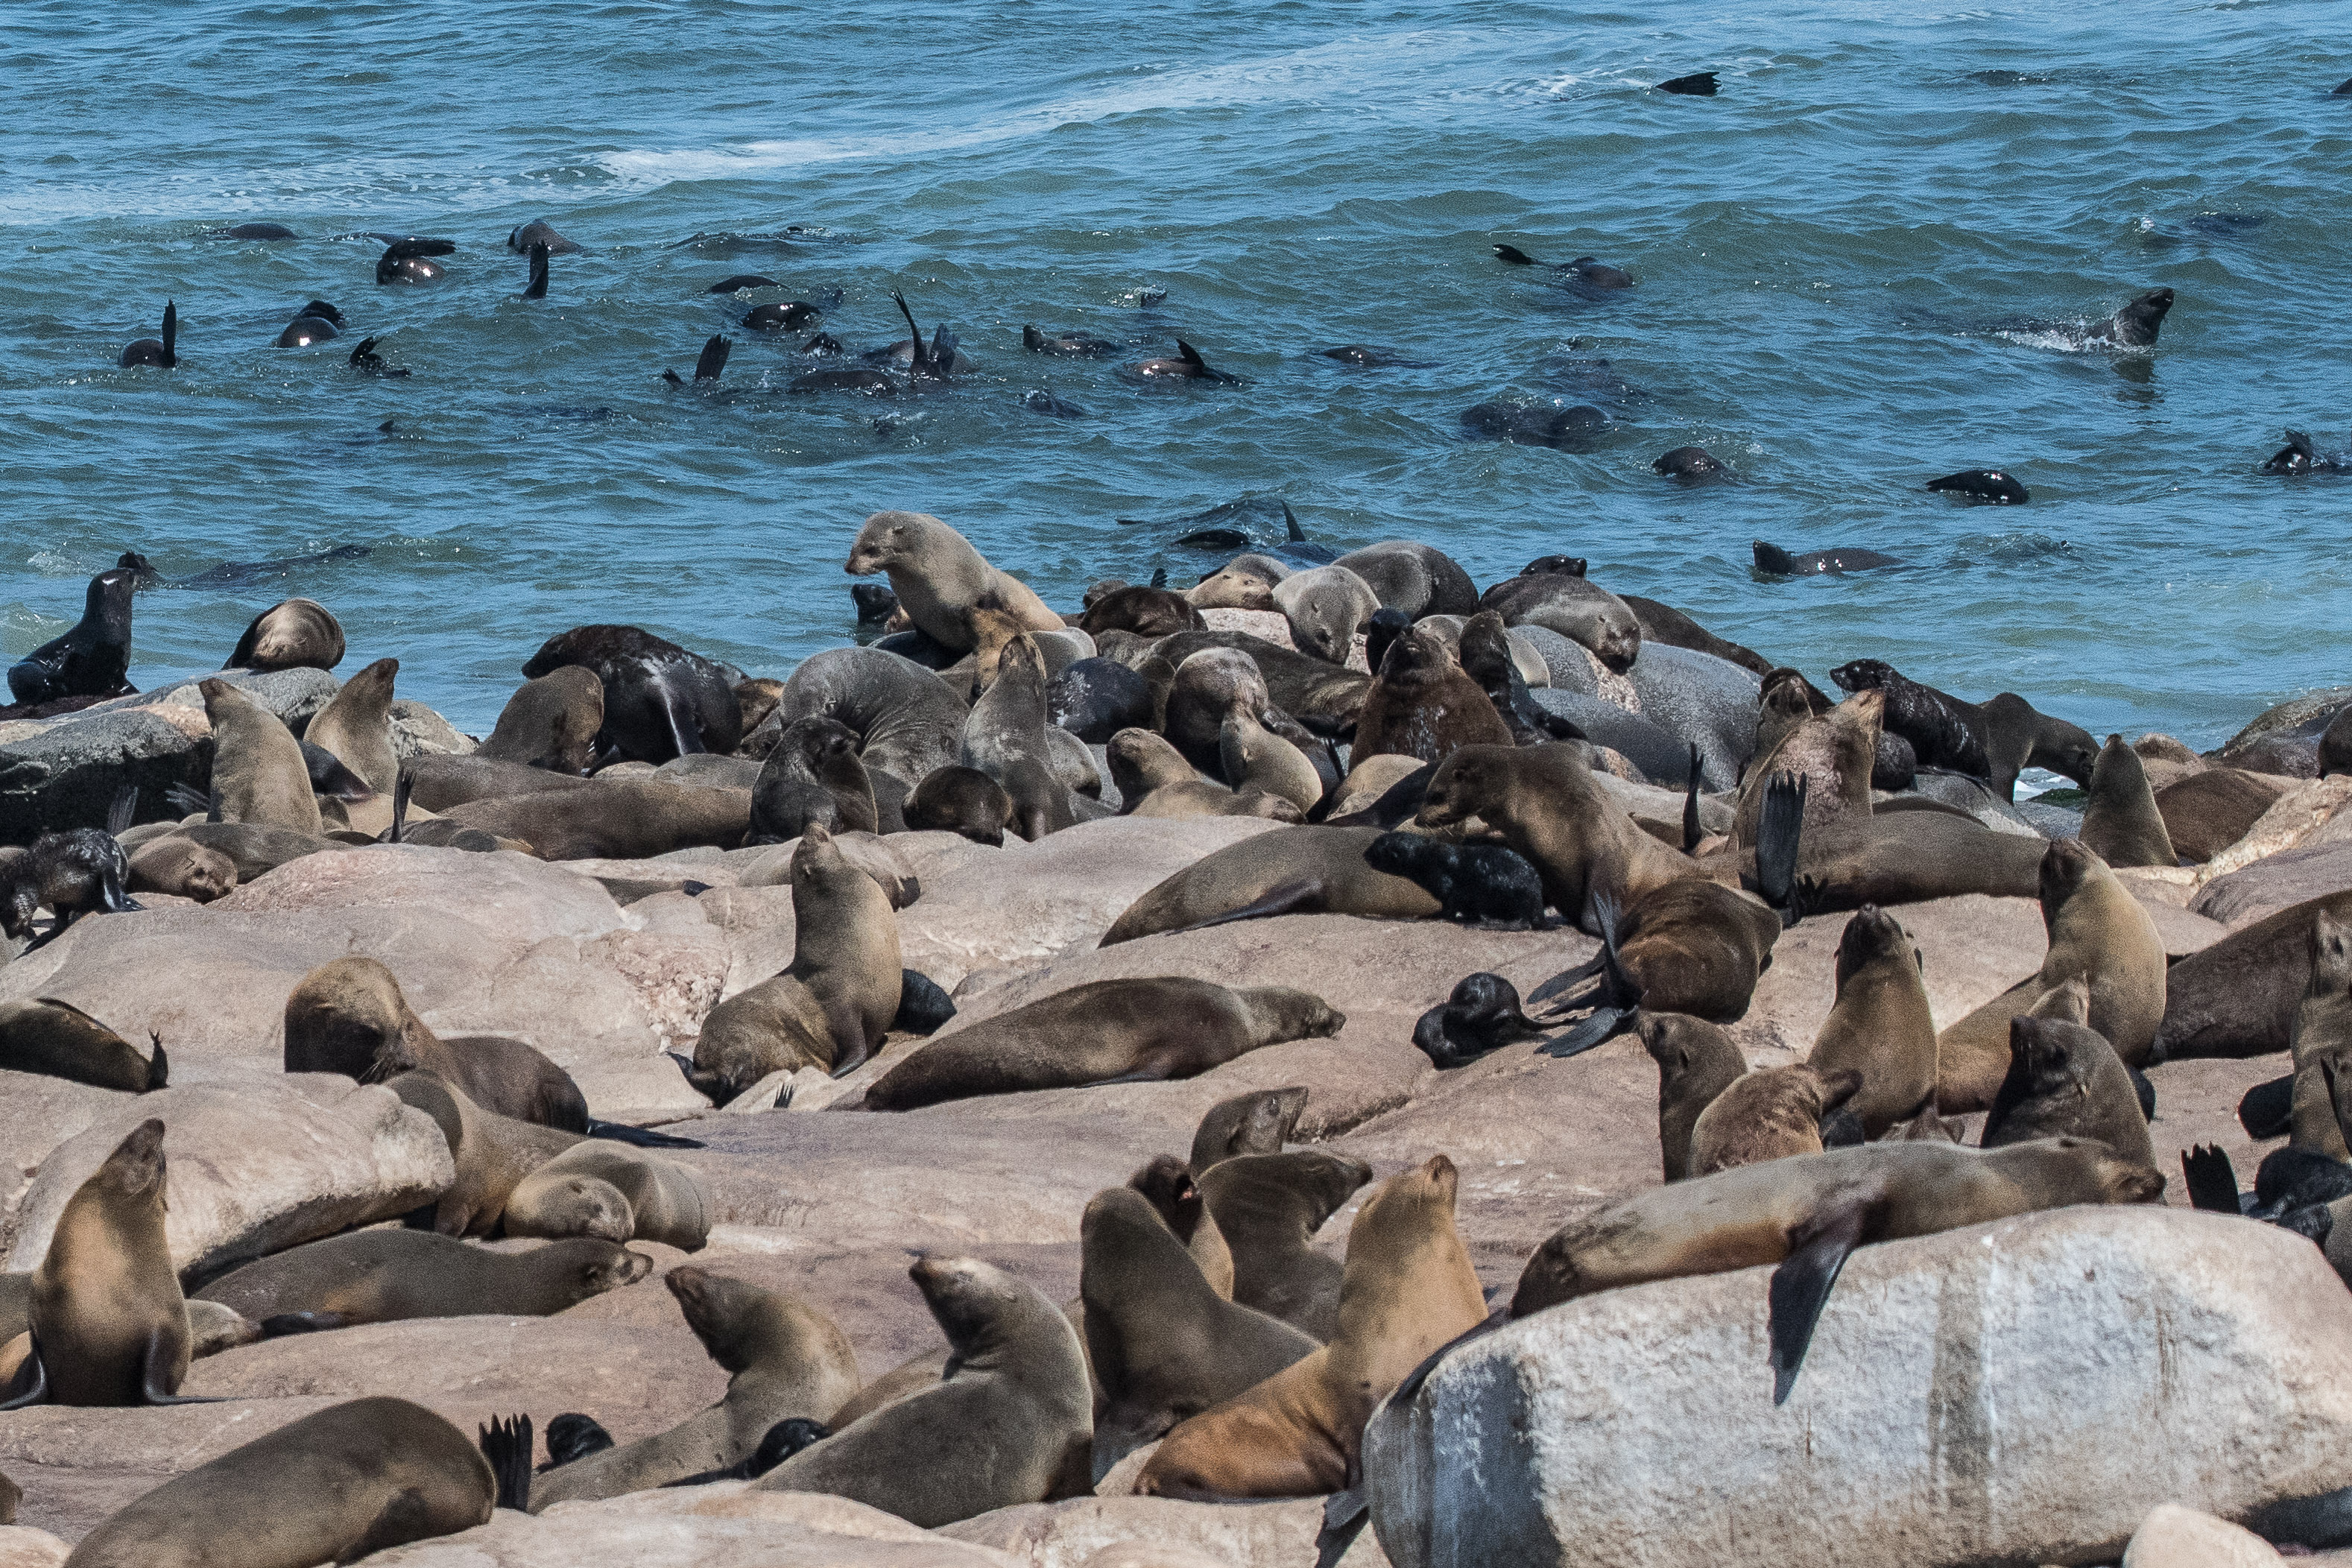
(708, 367)
(1844, 558)
(1586, 270)
(1691, 465)
(162, 352)
(739, 282)
(404, 258)
(253, 231)
(367, 362)
(1989, 485)
(537, 287)
(1070, 345)
(1572, 429)
(2300, 456)
(2136, 324)
(1188, 365)
(1698, 84)
(539, 231)
(313, 323)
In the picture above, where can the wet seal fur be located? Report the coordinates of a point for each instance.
(661, 700)
(92, 658)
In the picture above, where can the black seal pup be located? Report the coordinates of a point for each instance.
(661, 701)
(1480, 1015)
(163, 352)
(1937, 724)
(1481, 884)
(91, 660)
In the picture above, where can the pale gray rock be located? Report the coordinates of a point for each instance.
(1084, 1531)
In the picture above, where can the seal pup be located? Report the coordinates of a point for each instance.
(164, 352)
(1268, 1207)
(81, 871)
(1424, 704)
(258, 766)
(2120, 821)
(1106, 1031)
(405, 260)
(1484, 886)
(2096, 929)
(1258, 1122)
(550, 722)
(957, 799)
(1188, 365)
(1408, 1289)
(831, 1009)
(1017, 1374)
(708, 365)
(313, 323)
(940, 579)
(387, 1276)
(2066, 1081)
(1553, 593)
(1290, 870)
(293, 634)
(1807, 1215)
(785, 1359)
(784, 1439)
(1258, 760)
(356, 725)
(661, 700)
(1880, 1027)
(109, 1324)
(1004, 737)
(93, 659)
(58, 1039)
(336, 1486)
(1768, 1115)
(1162, 1344)
(812, 775)
(1696, 1062)
(1943, 730)
(1480, 1014)
(1780, 563)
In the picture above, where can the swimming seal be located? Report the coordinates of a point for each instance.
(1880, 1027)
(812, 775)
(1700, 84)
(313, 323)
(1696, 1062)
(1691, 465)
(334, 1487)
(2137, 323)
(91, 660)
(539, 231)
(1017, 1372)
(1188, 365)
(1408, 1289)
(1268, 1207)
(550, 722)
(708, 365)
(58, 1039)
(292, 633)
(405, 259)
(2120, 820)
(1780, 563)
(1987, 485)
(253, 231)
(1480, 1014)
(1577, 428)
(1584, 269)
(1773, 1114)
(1106, 1031)
(661, 701)
(164, 352)
(784, 1359)
(258, 767)
(388, 1275)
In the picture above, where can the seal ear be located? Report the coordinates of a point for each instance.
(1800, 1286)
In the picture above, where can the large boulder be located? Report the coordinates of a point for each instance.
(2176, 1537)
(1278, 1534)
(252, 1172)
(2022, 1392)
(2276, 882)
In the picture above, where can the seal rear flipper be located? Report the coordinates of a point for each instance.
(1800, 1286)
(184, 800)
(1345, 1514)
(710, 1085)
(2212, 1179)
(1691, 834)
(2267, 1108)
(1299, 896)
(171, 334)
(159, 1066)
(154, 1369)
(401, 788)
(31, 1386)
(1289, 519)
(712, 360)
(923, 1007)
(280, 1324)
(641, 1137)
(1605, 1024)
(124, 807)
(507, 1444)
(1779, 838)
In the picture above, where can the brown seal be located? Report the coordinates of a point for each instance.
(1148, 612)
(2240, 997)
(1544, 803)
(1166, 1184)
(292, 633)
(1768, 1115)
(109, 1324)
(1692, 946)
(1836, 752)
(831, 1009)
(1696, 1061)
(258, 768)
(1881, 1025)
(812, 775)
(1325, 606)
(1162, 1345)
(550, 722)
(2066, 1081)
(1258, 763)
(59, 1039)
(1325, 698)
(1103, 1032)
(2206, 812)
(1422, 705)
(175, 864)
(1289, 871)
(613, 819)
(334, 1487)
(1010, 1421)
(659, 1199)
(783, 1358)
(1245, 583)
(492, 1155)
(1154, 780)
(939, 578)
(1268, 1209)
(1409, 1289)
(2121, 821)
(2321, 1038)
(1258, 1122)
(387, 1276)
(356, 725)
(960, 800)
(1004, 737)
(2096, 929)
(1210, 684)
(348, 1016)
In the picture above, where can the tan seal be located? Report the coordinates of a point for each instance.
(1768, 1115)
(58, 1039)
(1696, 1061)
(550, 722)
(2120, 820)
(356, 725)
(292, 633)
(939, 578)
(1258, 761)
(659, 1199)
(1881, 1025)
(386, 1275)
(1289, 871)
(258, 768)
(492, 1155)
(175, 864)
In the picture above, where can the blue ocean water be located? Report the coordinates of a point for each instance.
(1833, 258)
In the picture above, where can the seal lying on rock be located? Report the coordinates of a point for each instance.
(1258, 1122)
(385, 1276)
(940, 579)
(1480, 1015)
(58, 1039)
(1479, 885)
(1289, 871)
(1103, 1032)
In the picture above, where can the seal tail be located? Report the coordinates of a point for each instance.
(1690, 805)
(125, 806)
(1800, 1286)
(507, 1445)
(538, 288)
(2212, 1179)
(159, 1066)
(1780, 835)
(171, 334)
(642, 1137)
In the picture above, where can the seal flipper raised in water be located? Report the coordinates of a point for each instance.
(536, 291)
(404, 259)
(507, 1444)
(707, 368)
(162, 352)
(1800, 1285)
(367, 362)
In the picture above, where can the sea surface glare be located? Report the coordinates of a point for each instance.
(1839, 259)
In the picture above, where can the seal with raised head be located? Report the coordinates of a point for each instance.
(1696, 1061)
(783, 1358)
(1408, 1289)
(1257, 761)
(812, 775)
(1009, 1423)
(90, 661)
(1268, 1207)
(1880, 1026)
(59, 1039)
(356, 725)
(1767, 1115)
(1258, 1122)
(1325, 606)
(293, 634)
(831, 1009)
(2136, 324)
(336, 1486)
(258, 774)
(660, 700)
(1424, 704)
(1102, 1032)
(1941, 728)
(386, 1275)
(550, 722)
(2120, 820)
(491, 1155)
(2066, 1081)
(940, 579)
(1004, 737)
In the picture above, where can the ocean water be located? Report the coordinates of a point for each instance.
(1841, 263)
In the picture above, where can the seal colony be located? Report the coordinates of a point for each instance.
(1186, 981)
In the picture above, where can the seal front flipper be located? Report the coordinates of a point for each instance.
(2212, 1179)
(280, 1324)
(32, 1384)
(685, 733)
(1605, 1025)
(155, 1372)
(507, 1444)
(401, 788)
(1299, 896)
(1691, 834)
(1800, 1286)
(713, 358)
(641, 1137)
(1779, 836)
(2267, 1108)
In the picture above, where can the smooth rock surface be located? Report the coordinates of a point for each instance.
(2176, 1537)
(1242, 1534)
(2281, 882)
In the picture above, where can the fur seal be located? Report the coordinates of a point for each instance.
(1166, 1184)
(658, 1199)
(2065, 1081)
(1778, 563)
(1553, 593)
(336, 1486)
(1480, 1014)
(81, 871)
(1094, 698)
(1154, 780)
(660, 700)
(2096, 929)
(1689, 946)
(1258, 760)
(1161, 1342)
(109, 1324)
(1325, 606)
(1258, 1122)
(1424, 705)
(1245, 583)
(1188, 365)
(784, 1359)
(313, 323)
(1290, 870)
(388, 1275)
(2205, 812)
(1407, 575)
(1408, 1289)
(2321, 1033)
(1691, 466)
(1768, 1115)
(1004, 1427)
(356, 725)
(550, 722)
(90, 661)
(830, 1009)
(59, 1039)
(1489, 657)
(1480, 884)
(1807, 1215)
(2136, 324)
(1937, 725)
(957, 799)
(539, 231)
(1986, 485)
(492, 1155)
(2121, 821)
(293, 634)
(1324, 698)
(908, 720)
(1881, 1027)
(1148, 612)
(258, 773)
(1268, 1207)
(940, 579)
(1696, 1061)
(164, 352)
(1664, 624)
(812, 775)
(619, 820)
(1106, 1031)
(1004, 737)
(1211, 684)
